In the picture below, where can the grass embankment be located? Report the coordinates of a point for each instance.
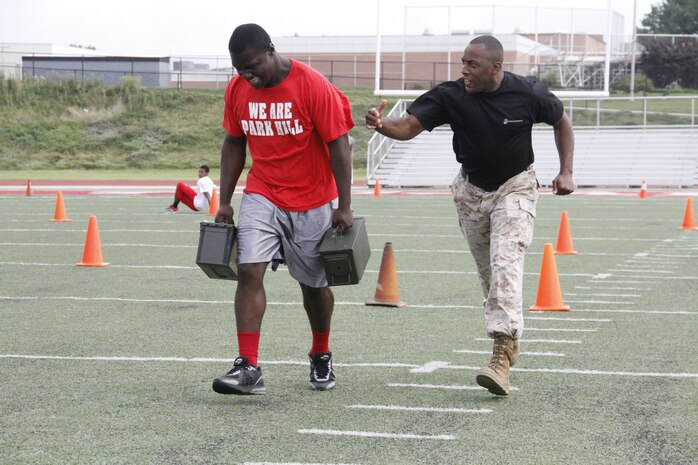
(122, 131)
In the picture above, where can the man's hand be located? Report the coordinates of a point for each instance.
(563, 184)
(374, 115)
(224, 214)
(342, 218)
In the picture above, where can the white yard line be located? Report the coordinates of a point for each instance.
(553, 318)
(372, 434)
(400, 408)
(550, 341)
(489, 352)
(449, 387)
(563, 330)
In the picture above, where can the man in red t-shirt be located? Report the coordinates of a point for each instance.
(298, 186)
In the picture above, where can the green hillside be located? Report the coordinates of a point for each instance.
(49, 126)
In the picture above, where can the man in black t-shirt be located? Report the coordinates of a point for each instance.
(491, 113)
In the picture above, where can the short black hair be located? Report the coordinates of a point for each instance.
(248, 36)
(492, 45)
(204, 167)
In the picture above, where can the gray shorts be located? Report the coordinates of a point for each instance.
(267, 232)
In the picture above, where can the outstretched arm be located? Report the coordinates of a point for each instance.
(564, 141)
(400, 128)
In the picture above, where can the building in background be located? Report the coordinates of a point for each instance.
(150, 71)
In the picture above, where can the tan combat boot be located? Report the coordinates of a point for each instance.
(495, 376)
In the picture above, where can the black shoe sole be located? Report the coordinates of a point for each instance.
(223, 388)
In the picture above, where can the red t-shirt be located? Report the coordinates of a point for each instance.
(288, 127)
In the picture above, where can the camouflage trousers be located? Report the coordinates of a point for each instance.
(498, 226)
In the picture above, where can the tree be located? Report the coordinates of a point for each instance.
(666, 63)
(672, 17)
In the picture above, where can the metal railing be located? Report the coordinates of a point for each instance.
(587, 113)
(379, 145)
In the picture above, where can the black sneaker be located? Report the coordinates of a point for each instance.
(321, 373)
(242, 379)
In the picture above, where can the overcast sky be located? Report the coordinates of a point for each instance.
(202, 27)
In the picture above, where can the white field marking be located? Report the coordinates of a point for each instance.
(97, 358)
(615, 288)
(291, 463)
(382, 365)
(103, 221)
(421, 236)
(371, 434)
(598, 302)
(668, 278)
(551, 341)
(563, 330)
(601, 276)
(120, 299)
(357, 304)
(419, 409)
(429, 367)
(633, 265)
(35, 244)
(635, 270)
(575, 371)
(489, 352)
(655, 265)
(543, 318)
(647, 312)
(154, 267)
(451, 387)
(655, 259)
(627, 282)
(606, 228)
(102, 230)
(596, 294)
(673, 256)
(462, 251)
(624, 239)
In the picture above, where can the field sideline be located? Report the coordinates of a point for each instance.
(114, 365)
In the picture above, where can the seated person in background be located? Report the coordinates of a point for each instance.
(196, 201)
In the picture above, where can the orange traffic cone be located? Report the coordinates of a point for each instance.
(213, 208)
(387, 290)
(59, 214)
(92, 254)
(377, 189)
(564, 237)
(549, 298)
(689, 222)
(643, 190)
(29, 188)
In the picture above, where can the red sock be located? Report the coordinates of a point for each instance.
(321, 342)
(248, 345)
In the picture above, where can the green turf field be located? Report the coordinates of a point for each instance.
(114, 365)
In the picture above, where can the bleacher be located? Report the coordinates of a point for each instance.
(618, 156)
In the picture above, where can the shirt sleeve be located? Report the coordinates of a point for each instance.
(330, 109)
(550, 108)
(231, 123)
(429, 109)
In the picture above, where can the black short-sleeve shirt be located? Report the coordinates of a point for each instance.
(491, 130)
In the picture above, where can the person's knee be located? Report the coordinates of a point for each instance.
(251, 274)
(316, 293)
